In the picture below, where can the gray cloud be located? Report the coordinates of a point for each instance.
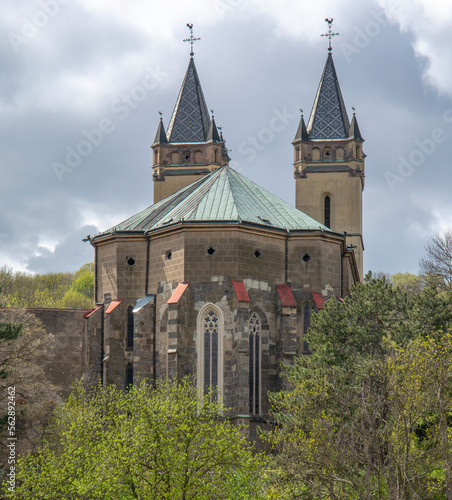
(84, 65)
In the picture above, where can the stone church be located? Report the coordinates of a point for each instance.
(218, 278)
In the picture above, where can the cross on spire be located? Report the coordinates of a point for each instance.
(192, 39)
(330, 33)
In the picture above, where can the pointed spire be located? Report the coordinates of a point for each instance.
(160, 136)
(328, 118)
(354, 132)
(190, 119)
(212, 135)
(302, 133)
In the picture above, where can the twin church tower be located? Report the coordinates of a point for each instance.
(328, 156)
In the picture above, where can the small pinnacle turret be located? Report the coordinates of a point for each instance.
(160, 136)
(302, 133)
(213, 135)
(354, 132)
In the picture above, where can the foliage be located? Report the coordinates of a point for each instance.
(361, 419)
(58, 290)
(409, 283)
(160, 443)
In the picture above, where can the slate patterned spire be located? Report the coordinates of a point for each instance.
(190, 120)
(328, 118)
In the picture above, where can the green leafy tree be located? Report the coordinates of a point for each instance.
(148, 443)
(343, 429)
(409, 283)
(56, 290)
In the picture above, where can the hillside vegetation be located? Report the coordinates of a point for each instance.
(59, 290)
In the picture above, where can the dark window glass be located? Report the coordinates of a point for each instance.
(327, 211)
(211, 329)
(130, 328)
(129, 376)
(306, 324)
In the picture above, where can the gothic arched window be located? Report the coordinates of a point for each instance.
(130, 328)
(306, 325)
(254, 363)
(327, 211)
(210, 366)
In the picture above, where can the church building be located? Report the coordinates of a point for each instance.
(218, 279)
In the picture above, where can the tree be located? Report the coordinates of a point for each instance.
(148, 443)
(56, 290)
(437, 264)
(409, 283)
(420, 398)
(23, 343)
(350, 425)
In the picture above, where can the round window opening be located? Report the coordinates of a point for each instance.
(130, 261)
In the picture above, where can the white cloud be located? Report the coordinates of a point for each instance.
(428, 22)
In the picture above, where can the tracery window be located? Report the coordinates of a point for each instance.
(306, 325)
(211, 329)
(254, 363)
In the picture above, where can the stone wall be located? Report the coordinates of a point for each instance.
(65, 363)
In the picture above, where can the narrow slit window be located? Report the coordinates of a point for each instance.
(130, 327)
(327, 204)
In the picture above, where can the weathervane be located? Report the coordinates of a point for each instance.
(192, 39)
(330, 34)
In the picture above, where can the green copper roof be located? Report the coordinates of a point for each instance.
(221, 197)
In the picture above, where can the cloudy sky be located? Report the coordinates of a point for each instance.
(92, 75)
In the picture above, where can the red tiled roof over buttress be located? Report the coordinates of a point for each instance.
(240, 291)
(113, 305)
(318, 299)
(177, 294)
(286, 295)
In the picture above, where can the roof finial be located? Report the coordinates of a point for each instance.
(330, 34)
(354, 109)
(192, 39)
(212, 112)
